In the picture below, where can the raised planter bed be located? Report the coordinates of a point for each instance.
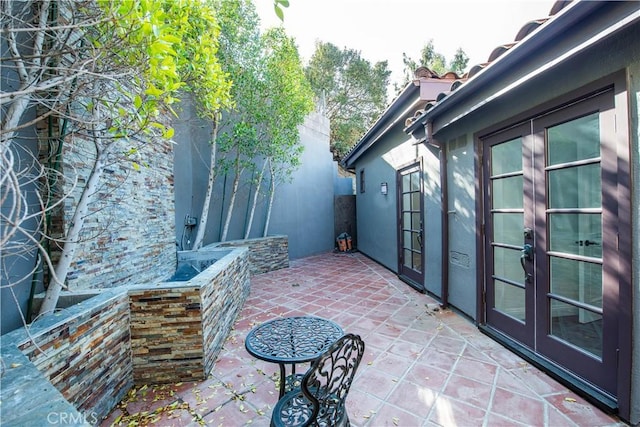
(78, 363)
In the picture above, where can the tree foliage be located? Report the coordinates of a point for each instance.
(289, 99)
(459, 62)
(233, 135)
(271, 98)
(107, 70)
(434, 61)
(353, 91)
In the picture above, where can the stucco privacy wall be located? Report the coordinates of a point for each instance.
(16, 271)
(24, 148)
(302, 208)
(83, 359)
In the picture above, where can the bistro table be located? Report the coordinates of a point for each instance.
(291, 340)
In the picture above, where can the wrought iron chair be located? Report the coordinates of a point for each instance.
(320, 399)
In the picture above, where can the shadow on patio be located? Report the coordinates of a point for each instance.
(422, 366)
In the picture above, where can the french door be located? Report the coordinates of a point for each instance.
(410, 226)
(550, 238)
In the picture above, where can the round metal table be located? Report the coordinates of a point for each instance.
(291, 340)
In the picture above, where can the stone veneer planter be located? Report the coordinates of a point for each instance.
(265, 253)
(178, 328)
(74, 366)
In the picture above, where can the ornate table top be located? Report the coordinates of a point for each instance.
(292, 339)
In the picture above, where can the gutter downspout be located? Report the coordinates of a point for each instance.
(444, 204)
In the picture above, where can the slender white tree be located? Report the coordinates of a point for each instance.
(108, 70)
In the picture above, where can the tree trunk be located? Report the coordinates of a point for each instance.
(234, 192)
(204, 215)
(29, 76)
(12, 119)
(272, 190)
(73, 235)
(255, 201)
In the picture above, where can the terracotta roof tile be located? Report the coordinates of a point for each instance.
(529, 28)
(525, 30)
(423, 73)
(476, 69)
(499, 51)
(455, 85)
(558, 6)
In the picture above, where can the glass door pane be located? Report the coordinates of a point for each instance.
(574, 224)
(412, 221)
(410, 211)
(507, 219)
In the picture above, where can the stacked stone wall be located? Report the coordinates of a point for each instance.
(222, 300)
(128, 235)
(77, 364)
(131, 217)
(166, 335)
(177, 332)
(87, 358)
(265, 253)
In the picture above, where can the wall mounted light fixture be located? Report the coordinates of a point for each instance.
(383, 188)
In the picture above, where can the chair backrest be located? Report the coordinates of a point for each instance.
(327, 382)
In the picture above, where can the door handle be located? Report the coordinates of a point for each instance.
(527, 255)
(587, 243)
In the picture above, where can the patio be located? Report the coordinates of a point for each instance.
(422, 366)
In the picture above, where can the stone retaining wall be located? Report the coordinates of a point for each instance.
(80, 356)
(79, 363)
(88, 358)
(265, 253)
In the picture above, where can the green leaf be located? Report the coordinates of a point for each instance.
(171, 38)
(279, 12)
(153, 91)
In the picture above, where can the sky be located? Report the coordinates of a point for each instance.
(384, 29)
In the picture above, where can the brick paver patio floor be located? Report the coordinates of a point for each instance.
(423, 366)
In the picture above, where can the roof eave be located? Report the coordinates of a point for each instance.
(571, 15)
(397, 106)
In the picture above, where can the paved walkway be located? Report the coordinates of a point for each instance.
(422, 366)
